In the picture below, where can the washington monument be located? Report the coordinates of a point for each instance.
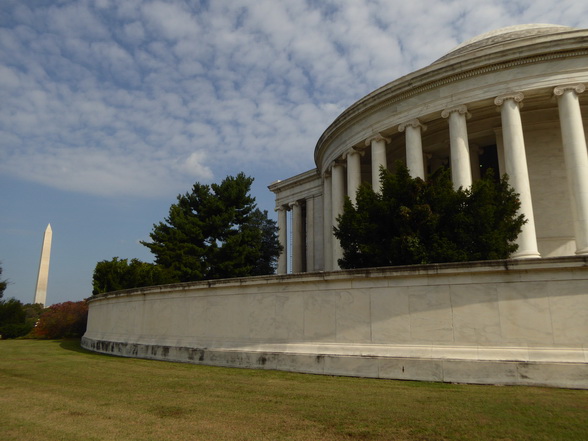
(41, 291)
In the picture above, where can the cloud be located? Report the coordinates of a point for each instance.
(142, 97)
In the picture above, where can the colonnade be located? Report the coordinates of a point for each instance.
(343, 176)
(302, 228)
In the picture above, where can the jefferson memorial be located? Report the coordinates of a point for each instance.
(508, 99)
(511, 100)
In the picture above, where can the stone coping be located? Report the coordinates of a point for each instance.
(549, 264)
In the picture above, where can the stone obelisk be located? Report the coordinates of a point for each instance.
(43, 276)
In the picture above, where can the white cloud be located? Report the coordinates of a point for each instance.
(141, 97)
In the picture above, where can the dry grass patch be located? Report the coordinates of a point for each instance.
(54, 390)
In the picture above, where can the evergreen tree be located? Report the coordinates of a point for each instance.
(414, 222)
(215, 231)
(16, 319)
(270, 247)
(3, 284)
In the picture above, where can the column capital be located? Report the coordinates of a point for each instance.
(294, 204)
(462, 110)
(415, 123)
(517, 97)
(340, 161)
(359, 150)
(578, 88)
(376, 137)
(281, 208)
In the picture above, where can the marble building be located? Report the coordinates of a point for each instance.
(510, 99)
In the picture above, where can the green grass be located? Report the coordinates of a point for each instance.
(54, 390)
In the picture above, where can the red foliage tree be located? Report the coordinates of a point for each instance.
(63, 320)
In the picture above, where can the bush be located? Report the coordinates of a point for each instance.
(63, 320)
(418, 222)
(13, 322)
(15, 330)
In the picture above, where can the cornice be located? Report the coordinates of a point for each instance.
(294, 181)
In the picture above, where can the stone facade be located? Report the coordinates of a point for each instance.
(511, 99)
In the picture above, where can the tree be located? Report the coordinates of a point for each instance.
(270, 247)
(63, 320)
(12, 319)
(215, 231)
(414, 221)
(117, 274)
(3, 283)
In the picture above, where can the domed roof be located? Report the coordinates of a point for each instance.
(509, 33)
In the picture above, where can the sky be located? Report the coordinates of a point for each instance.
(109, 109)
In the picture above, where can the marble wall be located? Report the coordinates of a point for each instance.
(503, 312)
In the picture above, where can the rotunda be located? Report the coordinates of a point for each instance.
(510, 100)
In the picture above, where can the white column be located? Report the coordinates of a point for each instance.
(297, 239)
(353, 173)
(327, 223)
(515, 162)
(461, 172)
(283, 239)
(310, 234)
(414, 147)
(576, 158)
(338, 198)
(378, 150)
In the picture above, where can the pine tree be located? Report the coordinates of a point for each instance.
(3, 283)
(215, 231)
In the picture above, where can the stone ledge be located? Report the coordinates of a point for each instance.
(418, 351)
(549, 266)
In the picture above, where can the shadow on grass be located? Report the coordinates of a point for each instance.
(73, 344)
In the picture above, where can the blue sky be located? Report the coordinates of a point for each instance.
(110, 109)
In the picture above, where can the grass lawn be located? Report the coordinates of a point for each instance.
(54, 390)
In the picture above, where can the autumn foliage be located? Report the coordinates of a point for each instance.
(63, 320)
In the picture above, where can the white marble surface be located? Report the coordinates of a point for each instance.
(532, 311)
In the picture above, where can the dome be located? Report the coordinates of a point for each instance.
(502, 35)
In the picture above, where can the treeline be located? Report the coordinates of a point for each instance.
(216, 231)
(62, 320)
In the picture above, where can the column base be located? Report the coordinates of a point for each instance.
(526, 254)
(582, 252)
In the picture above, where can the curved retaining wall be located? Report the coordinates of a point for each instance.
(498, 322)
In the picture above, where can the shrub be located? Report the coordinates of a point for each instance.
(13, 321)
(63, 320)
(418, 222)
(15, 330)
